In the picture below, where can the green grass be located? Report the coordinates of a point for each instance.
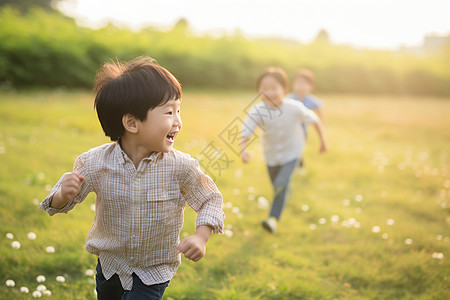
(391, 153)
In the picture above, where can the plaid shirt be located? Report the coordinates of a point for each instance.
(139, 212)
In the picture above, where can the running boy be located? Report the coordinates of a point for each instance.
(302, 87)
(142, 184)
(283, 138)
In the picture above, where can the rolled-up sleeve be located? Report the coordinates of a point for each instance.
(201, 193)
(80, 165)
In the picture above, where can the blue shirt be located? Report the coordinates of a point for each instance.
(309, 101)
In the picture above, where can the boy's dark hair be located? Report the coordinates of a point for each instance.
(306, 74)
(133, 88)
(278, 73)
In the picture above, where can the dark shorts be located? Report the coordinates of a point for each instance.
(111, 289)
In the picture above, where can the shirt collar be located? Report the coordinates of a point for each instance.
(122, 157)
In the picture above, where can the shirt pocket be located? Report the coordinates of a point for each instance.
(164, 202)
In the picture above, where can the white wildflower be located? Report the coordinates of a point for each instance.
(408, 241)
(37, 294)
(9, 235)
(89, 272)
(15, 245)
(41, 288)
(31, 235)
(60, 279)
(40, 278)
(376, 229)
(10, 283)
(24, 289)
(437, 255)
(50, 249)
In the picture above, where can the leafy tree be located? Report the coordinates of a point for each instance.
(25, 5)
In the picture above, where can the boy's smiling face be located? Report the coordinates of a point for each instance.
(272, 91)
(159, 130)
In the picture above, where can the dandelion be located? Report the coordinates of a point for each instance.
(390, 222)
(89, 272)
(9, 235)
(228, 205)
(358, 198)
(60, 279)
(31, 235)
(47, 293)
(345, 224)
(235, 210)
(305, 207)
(15, 245)
(24, 289)
(312, 226)
(228, 233)
(357, 225)
(41, 176)
(376, 229)
(447, 184)
(334, 218)
(10, 283)
(40, 278)
(37, 294)
(385, 236)
(351, 221)
(41, 288)
(408, 241)
(251, 197)
(247, 233)
(346, 202)
(263, 203)
(50, 249)
(437, 255)
(439, 237)
(238, 173)
(48, 187)
(251, 189)
(236, 192)
(35, 201)
(322, 221)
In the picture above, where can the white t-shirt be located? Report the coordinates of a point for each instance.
(283, 138)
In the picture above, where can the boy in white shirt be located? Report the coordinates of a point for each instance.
(283, 137)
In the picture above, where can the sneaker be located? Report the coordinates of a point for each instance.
(270, 224)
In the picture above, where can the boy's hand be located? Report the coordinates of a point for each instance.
(323, 148)
(69, 189)
(194, 247)
(245, 156)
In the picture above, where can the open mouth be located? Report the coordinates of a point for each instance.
(171, 136)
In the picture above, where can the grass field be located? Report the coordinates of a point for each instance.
(368, 220)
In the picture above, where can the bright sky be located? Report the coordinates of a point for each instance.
(363, 23)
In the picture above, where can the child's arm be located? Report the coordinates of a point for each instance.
(70, 186)
(71, 189)
(194, 247)
(200, 192)
(319, 113)
(245, 155)
(320, 132)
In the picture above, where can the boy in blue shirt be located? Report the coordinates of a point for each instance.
(302, 87)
